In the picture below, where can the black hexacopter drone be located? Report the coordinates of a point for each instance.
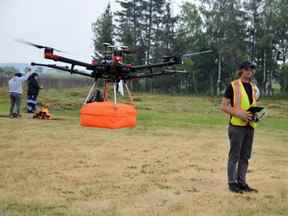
(111, 68)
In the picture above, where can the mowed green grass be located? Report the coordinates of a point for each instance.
(172, 163)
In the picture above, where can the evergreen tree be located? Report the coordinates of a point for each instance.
(236, 30)
(103, 30)
(129, 29)
(169, 32)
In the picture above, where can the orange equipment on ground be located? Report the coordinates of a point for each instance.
(98, 112)
(43, 113)
(108, 115)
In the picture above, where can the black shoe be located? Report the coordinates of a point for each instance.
(246, 188)
(233, 187)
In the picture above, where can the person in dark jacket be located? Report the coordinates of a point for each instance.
(33, 92)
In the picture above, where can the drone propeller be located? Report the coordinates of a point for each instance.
(39, 46)
(187, 55)
(176, 71)
(100, 55)
(124, 47)
(107, 44)
(111, 46)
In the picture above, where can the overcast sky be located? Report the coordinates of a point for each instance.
(63, 24)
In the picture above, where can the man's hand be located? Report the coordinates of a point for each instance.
(242, 114)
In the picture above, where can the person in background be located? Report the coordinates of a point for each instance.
(15, 85)
(33, 92)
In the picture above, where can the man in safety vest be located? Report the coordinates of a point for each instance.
(239, 96)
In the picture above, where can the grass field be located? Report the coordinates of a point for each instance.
(172, 163)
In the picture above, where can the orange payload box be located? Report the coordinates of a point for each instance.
(108, 115)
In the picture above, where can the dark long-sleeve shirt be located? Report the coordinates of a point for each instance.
(33, 87)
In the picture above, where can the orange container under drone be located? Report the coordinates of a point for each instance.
(108, 115)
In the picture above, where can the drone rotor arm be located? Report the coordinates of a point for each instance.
(152, 75)
(168, 62)
(58, 58)
(64, 68)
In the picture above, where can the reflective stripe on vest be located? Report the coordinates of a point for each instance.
(242, 102)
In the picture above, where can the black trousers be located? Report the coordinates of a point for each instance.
(31, 103)
(241, 141)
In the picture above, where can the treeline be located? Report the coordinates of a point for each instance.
(48, 82)
(235, 30)
(54, 83)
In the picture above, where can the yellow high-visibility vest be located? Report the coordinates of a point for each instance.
(241, 102)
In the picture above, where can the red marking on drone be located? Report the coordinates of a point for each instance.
(117, 59)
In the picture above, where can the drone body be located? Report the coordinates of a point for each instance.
(110, 66)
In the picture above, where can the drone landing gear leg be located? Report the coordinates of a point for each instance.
(115, 92)
(129, 93)
(90, 92)
(106, 90)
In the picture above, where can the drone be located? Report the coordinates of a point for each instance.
(110, 66)
(112, 69)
